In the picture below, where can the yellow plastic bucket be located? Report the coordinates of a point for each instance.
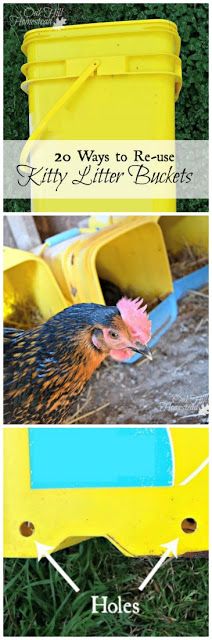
(31, 293)
(103, 81)
(136, 519)
(182, 231)
(131, 255)
(104, 220)
(178, 231)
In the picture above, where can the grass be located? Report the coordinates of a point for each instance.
(192, 107)
(38, 602)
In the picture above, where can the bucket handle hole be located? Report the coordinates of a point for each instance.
(188, 525)
(27, 529)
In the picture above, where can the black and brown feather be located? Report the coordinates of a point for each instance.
(47, 367)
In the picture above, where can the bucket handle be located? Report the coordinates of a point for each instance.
(37, 133)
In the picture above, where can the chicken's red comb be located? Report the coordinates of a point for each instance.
(136, 318)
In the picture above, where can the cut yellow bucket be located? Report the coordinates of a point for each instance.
(130, 254)
(180, 232)
(136, 519)
(103, 81)
(31, 293)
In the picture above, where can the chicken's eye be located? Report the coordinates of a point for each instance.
(114, 334)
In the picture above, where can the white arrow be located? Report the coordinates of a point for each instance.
(171, 547)
(42, 552)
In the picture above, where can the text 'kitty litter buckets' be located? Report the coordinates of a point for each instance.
(103, 81)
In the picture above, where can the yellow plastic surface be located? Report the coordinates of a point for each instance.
(136, 520)
(129, 94)
(29, 282)
(179, 231)
(131, 254)
(104, 220)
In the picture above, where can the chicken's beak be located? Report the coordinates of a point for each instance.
(144, 350)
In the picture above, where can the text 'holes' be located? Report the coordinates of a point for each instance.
(27, 529)
(188, 525)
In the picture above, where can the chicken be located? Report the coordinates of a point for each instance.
(47, 367)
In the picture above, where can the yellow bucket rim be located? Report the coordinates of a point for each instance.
(13, 257)
(34, 34)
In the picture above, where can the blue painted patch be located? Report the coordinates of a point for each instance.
(63, 458)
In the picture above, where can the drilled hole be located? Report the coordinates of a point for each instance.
(189, 525)
(27, 529)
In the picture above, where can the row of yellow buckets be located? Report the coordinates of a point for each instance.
(108, 81)
(130, 252)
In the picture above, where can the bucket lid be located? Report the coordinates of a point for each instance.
(98, 28)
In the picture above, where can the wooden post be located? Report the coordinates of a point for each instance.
(24, 231)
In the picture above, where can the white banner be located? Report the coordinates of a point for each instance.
(106, 169)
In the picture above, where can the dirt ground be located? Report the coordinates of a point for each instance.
(171, 389)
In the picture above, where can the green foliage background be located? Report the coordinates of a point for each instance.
(192, 107)
(38, 602)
